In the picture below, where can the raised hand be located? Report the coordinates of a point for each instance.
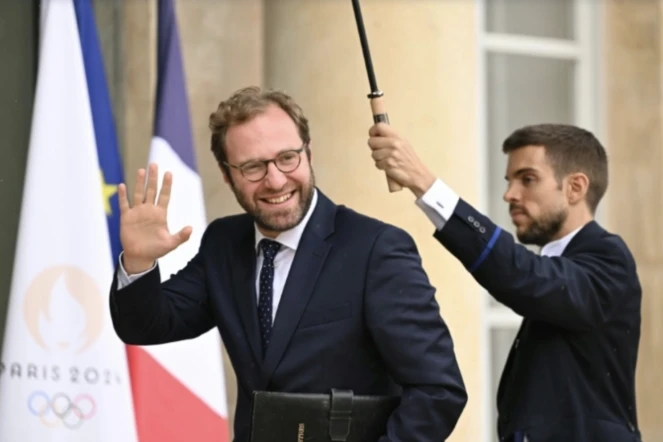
(143, 228)
(393, 154)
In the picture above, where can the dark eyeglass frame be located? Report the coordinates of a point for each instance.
(274, 160)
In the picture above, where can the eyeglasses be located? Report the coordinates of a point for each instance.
(287, 161)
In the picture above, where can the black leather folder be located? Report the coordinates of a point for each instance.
(338, 416)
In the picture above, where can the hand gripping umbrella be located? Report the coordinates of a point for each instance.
(376, 95)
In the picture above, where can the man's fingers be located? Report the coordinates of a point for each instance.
(152, 181)
(164, 194)
(380, 154)
(180, 237)
(382, 164)
(183, 235)
(380, 143)
(382, 130)
(374, 131)
(391, 170)
(385, 148)
(139, 188)
(122, 199)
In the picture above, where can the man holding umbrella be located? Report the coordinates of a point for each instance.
(570, 375)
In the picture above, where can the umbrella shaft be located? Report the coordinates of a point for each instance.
(364, 46)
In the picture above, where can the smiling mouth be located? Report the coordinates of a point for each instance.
(280, 199)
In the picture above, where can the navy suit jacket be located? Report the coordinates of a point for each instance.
(570, 374)
(357, 312)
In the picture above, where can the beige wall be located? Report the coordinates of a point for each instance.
(301, 49)
(634, 128)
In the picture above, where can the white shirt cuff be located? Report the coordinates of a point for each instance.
(438, 203)
(124, 279)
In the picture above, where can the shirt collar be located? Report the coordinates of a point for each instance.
(290, 238)
(556, 248)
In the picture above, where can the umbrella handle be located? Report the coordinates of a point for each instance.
(380, 116)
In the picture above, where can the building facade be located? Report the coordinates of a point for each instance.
(458, 76)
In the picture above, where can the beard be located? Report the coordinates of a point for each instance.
(541, 231)
(279, 220)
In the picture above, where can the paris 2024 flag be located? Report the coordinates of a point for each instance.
(63, 372)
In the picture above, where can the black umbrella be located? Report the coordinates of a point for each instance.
(376, 96)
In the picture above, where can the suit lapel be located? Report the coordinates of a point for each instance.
(244, 289)
(306, 267)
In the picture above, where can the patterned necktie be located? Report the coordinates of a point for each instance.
(269, 251)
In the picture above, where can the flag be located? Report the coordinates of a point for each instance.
(179, 388)
(63, 372)
(110, 162)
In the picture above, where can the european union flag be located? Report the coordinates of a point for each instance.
(110, 163)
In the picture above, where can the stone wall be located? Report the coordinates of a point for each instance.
(633, 57)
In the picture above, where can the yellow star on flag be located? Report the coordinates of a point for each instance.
(107, 191)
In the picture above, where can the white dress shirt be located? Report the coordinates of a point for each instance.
(289, 240)
(440, 201)
(556, 248)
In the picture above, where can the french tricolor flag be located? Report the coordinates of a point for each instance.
(178, 388)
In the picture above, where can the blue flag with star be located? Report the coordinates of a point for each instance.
(110, 163)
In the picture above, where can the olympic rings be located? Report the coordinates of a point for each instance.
(70, 413)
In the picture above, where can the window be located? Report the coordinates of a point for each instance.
(536, 65)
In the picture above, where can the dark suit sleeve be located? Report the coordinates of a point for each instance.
(577, 292)
(148, 312)
(404, 319)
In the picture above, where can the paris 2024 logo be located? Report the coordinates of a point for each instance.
(63, 311)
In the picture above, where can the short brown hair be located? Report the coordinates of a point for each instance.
(569, 149)
(245, 104)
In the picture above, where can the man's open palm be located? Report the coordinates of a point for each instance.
(143, 228)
